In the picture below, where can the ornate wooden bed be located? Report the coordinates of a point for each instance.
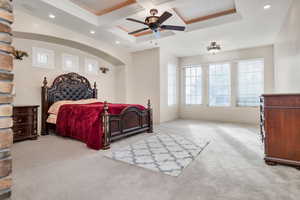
(73, 86)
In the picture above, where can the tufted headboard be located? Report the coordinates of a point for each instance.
(71, 86)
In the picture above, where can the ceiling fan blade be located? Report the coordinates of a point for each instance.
(137, 31)
(137, 21)
(166, 15)
(174, 28)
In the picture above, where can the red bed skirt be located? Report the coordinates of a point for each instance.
(84, 121)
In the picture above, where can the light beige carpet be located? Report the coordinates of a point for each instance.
(230, 168)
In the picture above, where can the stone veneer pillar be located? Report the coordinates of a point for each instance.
(6, 98)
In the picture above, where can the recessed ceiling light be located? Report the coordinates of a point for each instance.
(118, 42)
(268, 6)
(51, 16)
(92, 32)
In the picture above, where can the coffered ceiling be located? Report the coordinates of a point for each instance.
(205, 21)
(192, 11)
(103, 7)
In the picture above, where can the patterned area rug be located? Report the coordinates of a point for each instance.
(165, 153)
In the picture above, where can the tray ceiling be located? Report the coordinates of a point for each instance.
(102, 7)
(199, 8)
(205, 20)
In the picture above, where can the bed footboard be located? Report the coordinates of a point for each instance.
(131, 121)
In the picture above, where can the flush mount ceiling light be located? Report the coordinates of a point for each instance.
(118, 42)
(268, 6)
(51, 16)
(214, 48)
(92, 32)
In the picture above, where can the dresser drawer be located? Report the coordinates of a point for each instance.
(21, 132)
(25, 122)
(25, 110)
(282, 101)
(23, 119)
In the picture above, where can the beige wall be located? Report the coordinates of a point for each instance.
(143, 80)
(27, 23)
(287, 53)
(148, 79)
(233, 113)
(167, 113)
(28, 79)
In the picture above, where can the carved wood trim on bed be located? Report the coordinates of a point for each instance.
(69, 86)
(73, 86)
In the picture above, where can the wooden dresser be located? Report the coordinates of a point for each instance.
(280, 128)
(25, 123)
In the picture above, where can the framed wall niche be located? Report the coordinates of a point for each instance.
(43, 58)
(70, 63)
(91, 66)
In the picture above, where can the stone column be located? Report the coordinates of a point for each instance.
(6, 98)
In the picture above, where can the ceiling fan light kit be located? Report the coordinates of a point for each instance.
(214, 48)
(154, 23)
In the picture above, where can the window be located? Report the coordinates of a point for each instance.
(43, 58)
(250, 82)
(219, 84)
(91, 66)
(70, 63)
(172, 84)
(193, 85)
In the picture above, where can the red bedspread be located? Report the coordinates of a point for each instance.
(83, 121)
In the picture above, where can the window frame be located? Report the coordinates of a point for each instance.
(75, 62)
(230, 85)
(87, 62)
(50, 54)
(174, 73)
(184, 84)
(238, 81)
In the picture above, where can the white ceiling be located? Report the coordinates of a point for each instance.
(195, 8)
(96, 4)
(250, 26)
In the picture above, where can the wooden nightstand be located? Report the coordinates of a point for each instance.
(25, 122)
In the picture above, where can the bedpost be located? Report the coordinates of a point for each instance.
(44, 129)
(95, 91)
(150, 117)
(106, 131)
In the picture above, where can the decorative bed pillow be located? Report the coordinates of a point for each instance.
(54, 108)
(87, 101)
(52, 119)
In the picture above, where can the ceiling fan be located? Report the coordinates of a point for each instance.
(154, 23)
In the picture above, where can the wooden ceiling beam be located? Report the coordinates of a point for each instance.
(123, 28)
(85, 7)
(142, 33)
(115, 7)
(207, 17)
(106, 10)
